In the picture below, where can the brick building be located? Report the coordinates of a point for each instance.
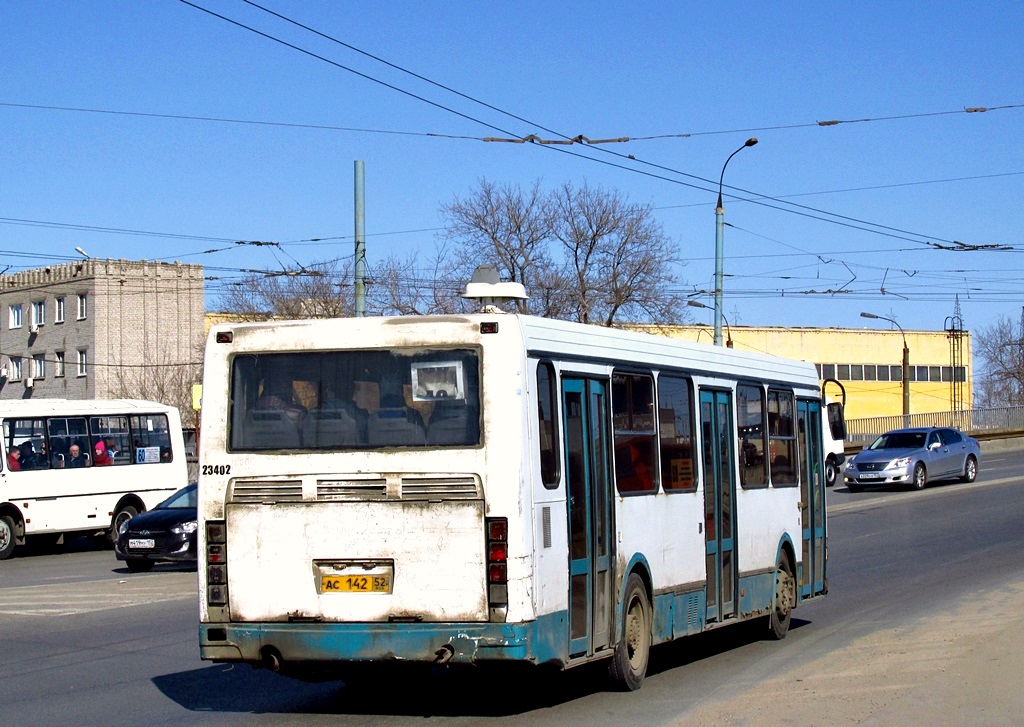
(101, 329)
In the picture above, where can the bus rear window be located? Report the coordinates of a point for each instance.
(355, 400)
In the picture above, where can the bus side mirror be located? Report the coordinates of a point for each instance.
(836, 420)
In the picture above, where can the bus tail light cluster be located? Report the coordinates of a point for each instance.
(216, 563)
(497, 561)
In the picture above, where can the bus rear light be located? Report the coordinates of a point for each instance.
(215, 554)
(497, 561)
(497, 529)
(216, 595)
(216, 531)
(216, 563)
(217, 575)
(497, 573)
(497, 552)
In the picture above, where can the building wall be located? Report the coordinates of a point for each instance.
(860, 347)
(141, 317)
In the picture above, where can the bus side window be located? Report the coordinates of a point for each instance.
(636, 451)
(547, 401)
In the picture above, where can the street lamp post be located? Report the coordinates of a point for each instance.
(698, 304)
(719, 244)
(906, 366)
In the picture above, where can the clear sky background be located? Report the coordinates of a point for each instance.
(825, 221)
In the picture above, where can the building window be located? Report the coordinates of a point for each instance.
(58, 363)
(83, 306)
(38, 366)
(828, 371)
(38, 312)
(83, 362)
(58, 310)
(15, 368)
(843, 372)
(15, 316)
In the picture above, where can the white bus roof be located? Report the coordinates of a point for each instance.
(557, 338)
(51, 407)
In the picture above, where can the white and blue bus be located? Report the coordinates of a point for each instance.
(493, 488)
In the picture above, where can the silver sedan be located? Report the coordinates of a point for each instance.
(913, 458)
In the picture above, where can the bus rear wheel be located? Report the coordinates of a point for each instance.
(633, 651)
(784, 600)
(122, 516)
(6, 537)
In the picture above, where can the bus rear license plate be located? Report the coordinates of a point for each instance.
(141, 543)
(356, 584)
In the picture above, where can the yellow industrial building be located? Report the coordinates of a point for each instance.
(868, 362)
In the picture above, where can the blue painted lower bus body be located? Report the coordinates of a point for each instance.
(543, 641)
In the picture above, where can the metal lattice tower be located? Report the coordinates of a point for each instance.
(955, 333)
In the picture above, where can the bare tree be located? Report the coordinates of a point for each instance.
(508, 228)
(1000, 349)
(620, 260)
(398, 286)
(317, 290)
(168, 382)
(582, 253)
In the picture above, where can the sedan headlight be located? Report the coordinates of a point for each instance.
(900, 463)
(186, 528)
(123, 527)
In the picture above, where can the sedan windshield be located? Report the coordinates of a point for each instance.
(899, 440)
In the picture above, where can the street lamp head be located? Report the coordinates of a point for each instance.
(698, 304)
(868, 315)
(751, 141)
(82, 252)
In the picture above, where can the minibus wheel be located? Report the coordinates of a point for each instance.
(6, 536)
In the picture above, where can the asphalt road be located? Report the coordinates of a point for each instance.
(84, 641)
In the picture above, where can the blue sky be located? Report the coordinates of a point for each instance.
(880, 196)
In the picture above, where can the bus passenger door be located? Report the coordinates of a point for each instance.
(719, 494)
(812, 498)
(588, 483)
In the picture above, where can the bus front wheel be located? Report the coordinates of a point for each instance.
(6, 536)
(633, 650)
(831, 471)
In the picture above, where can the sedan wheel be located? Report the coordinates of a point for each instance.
(970, 470)
(920, 477)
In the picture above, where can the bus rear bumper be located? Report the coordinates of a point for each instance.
(282, 645)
